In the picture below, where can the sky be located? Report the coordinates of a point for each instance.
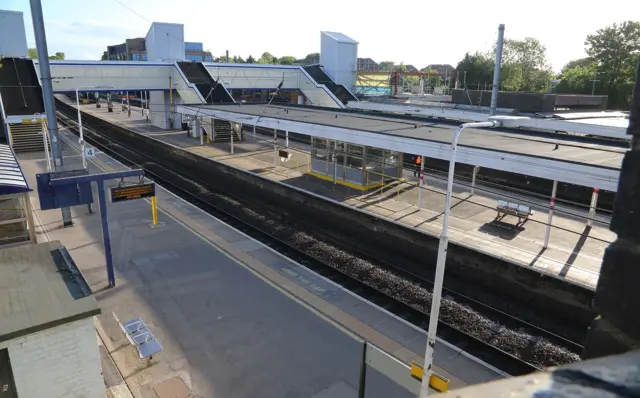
(415, 32)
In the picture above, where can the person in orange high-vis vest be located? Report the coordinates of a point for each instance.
(416, 172)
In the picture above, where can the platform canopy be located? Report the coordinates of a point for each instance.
(12, 179)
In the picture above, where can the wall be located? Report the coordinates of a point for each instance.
(339, 57)
(13, 39)
(165, 41)
(159, 109)
(58, 362)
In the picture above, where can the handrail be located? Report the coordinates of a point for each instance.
(190, 85)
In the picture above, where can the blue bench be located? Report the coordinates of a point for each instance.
(140, 337)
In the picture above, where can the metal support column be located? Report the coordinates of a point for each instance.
(496, 71)
(141, 104)
(254, 132)
(593, 206)
(286, 137)
(275, 148)
(552, 205)
(231, 137)
(420, 184)
(105, 234)
(362, 383)
(473, 178)
(47, 90)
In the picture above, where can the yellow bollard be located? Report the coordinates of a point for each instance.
(154, 210)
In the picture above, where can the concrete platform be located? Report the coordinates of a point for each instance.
(236, 319)
(574, 253)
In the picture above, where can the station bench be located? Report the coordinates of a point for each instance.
(505, 208)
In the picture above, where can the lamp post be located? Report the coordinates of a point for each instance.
(442, 256)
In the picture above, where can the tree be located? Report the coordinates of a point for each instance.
(528, 59)
(309, 59)
(581, 62)
(33, 54)
(267, 58)
(475, 69)
(251, 60)
(616, 50)
(578, 79)
(239, 60)
(105, 56)
(386, 66)
(287, 60)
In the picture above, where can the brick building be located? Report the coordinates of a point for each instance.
(48, 345)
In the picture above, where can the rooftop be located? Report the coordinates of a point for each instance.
(34, 296)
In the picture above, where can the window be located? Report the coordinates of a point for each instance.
(135, 57)
(144, 57)
(207, 58)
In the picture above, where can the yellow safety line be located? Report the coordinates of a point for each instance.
(343, 182)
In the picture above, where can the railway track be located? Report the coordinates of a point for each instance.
(220, 205)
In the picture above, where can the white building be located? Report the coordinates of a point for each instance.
(12, 26)
(48, 345)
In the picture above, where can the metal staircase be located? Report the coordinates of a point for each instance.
(222, 131)
(27, 137)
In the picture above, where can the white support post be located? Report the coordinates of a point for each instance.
(286, 136)
(275, 148)
(231, 124)
(441, 260)
(213, 129)
(141, 104)
(254, 132)
(473, 179)
(593, 206)
(552, 205)
(30, 224)
(420, 184)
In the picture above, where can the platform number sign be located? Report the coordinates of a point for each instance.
(89, 151)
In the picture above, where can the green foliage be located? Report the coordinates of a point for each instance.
(616, 50)
(267, 58)
(251, 60)
(387, 66)
(105, 56)
(525, 64)
(33, 54)
(583, 62)
(578, 79)
(287, 60)
(476, 69)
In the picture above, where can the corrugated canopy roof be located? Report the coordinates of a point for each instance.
(12, 179)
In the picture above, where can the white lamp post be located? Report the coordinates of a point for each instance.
(442, 256)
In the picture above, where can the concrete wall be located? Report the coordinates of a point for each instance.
(159, 109)
(524, 102)
(58, 362)
(13, 39)
(165, 41)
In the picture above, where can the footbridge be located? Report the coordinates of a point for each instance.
(160, 76)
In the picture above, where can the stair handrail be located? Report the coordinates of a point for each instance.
(186, 81)
(321, 86)
(218, 82)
